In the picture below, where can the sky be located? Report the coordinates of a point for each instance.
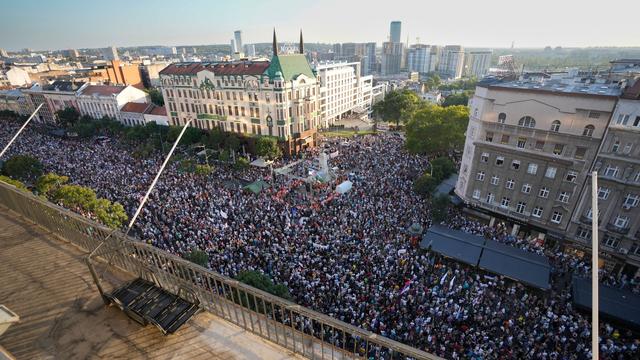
(66, 24)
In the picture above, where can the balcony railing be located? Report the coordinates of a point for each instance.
(301, 330)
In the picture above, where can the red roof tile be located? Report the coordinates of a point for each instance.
(136, 107)
(158, 110)
(223, 68)
(102, 90)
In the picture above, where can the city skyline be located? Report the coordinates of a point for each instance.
(205, 23)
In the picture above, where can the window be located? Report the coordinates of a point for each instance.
(557, 150)
(499, 160)
(611, 171)
(588, 130)
(603, 193)
(563, 197)
(527, 121)
(522, 142)
(505, 202)
(556, 217)
(631, 200)
(551, 172)
(616, 146)
(571, 176)
(555, 126)
(521, 207)
(544, 192)
(488, 137)
(537, 212)
(627, 149)
(484, 157)
(584, 234)
(515, 164)
(636, 122)
(476, 194)
(635, 249)
(480, 176)
(502, 117)
(539, 145)
(490, 198)
(636, 178)
(526, 188)
(611, 241)
(580, 152)
(509, 184)
(532, 168)
(495, 180)
(623, 119)
(504, 140)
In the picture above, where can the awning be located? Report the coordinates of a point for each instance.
(447, 185)
(260, 162)
(521, 265)
(257, 186)
(454, 244)
(616, 304)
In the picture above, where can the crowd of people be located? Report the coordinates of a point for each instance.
(348, 256)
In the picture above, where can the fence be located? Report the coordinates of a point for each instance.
(301, 330)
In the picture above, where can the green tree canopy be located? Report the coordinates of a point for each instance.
(198, 256)
(23, 167)
(74, 196)
(49, 183)
(108, 213)
(434, 129)
(267, 147)
(232, 142)
(16, 183)
(456, 99)
(398, 105)
(156, 97)
(263, 282)
(442, 167)
(68, 116)
(425, 184)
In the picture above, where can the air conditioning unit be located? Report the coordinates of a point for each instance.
(623, 251)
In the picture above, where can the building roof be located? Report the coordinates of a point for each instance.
(134, 107)
(102, 90)
(158, 110)
(59, 85)
(559, 87)
(632, 92)
(290, 66)
(221, 68)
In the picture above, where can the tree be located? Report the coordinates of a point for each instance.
(74, 196)
(108, 213)
(440, 207)
(22, 167)
(156, 97)
(432, 81)
(263, 282)
(425, 184)
(18, 184)
(456, 99)
(203, 169)
(267, 147)
(434, 129)
(198, 256)
(232, 142)
(68, 116)
(241, 163)
(49, 183)
(398, 105)
(442, 168)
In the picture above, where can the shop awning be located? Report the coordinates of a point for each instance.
(618, 305)
(453, 243)
(521, 265)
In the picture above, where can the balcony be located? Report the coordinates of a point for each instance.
(617, 229)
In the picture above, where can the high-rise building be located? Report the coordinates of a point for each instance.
(418, 58)
(451, 62)
(434, 58)
(395, 31)
(343, 91)
(71, 54)
(529, 148)
(238, 37)
(110, 53)
(477, 63)
(3, 53)
(391, 58)
(233, 46)
(337, 51)
(250, 50)
(370, 53)
(348, 50)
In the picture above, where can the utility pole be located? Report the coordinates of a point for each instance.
(595, 347)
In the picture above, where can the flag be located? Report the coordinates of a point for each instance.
(406, 286)
(451, 282)
(444, 278)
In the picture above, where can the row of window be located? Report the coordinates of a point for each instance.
(623, 119)
(521, 143)
(532, 168)
(526, 188)
(521, 206)
(529, 122)
(608, 240)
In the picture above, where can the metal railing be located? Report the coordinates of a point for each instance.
(301, 330)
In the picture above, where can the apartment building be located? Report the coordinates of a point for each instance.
(343, 91)
(98, 101)
(278, 97)
(477, 63)
(618, 167)
(419, 58)
(529, 146)
(451, 62)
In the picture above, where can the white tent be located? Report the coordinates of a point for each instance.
(260, 162)
(344, 187)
